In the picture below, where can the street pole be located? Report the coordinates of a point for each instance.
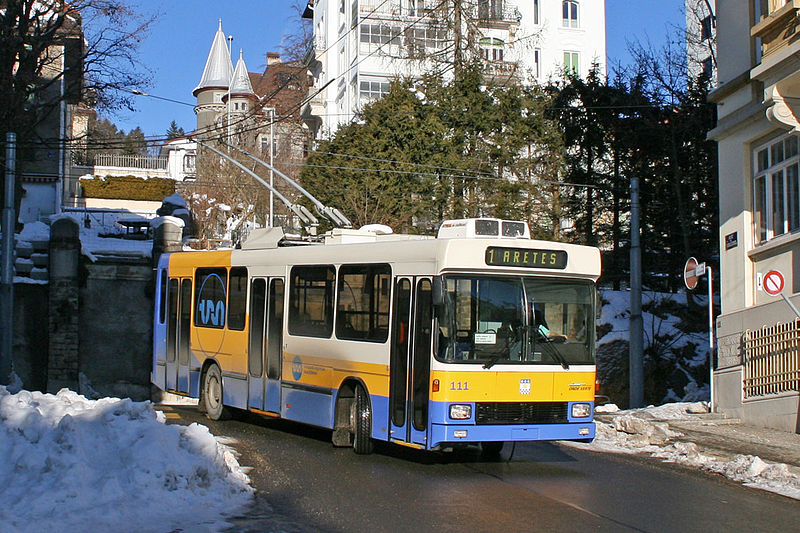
(636, 366)
(7, 315)
(710, 340)
(230, 54)
(271, 163)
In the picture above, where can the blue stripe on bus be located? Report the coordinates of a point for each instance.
(441, 433)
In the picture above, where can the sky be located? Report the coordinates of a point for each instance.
(179, 41)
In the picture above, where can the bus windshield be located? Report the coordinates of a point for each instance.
(519, 320)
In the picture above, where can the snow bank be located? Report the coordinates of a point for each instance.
(72, 464)
(644, 431)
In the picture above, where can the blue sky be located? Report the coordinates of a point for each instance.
(179, 41)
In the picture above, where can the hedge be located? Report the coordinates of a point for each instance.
(128, 188)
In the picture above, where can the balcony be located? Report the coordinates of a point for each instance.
(779, 32)
(779, 29)
(496, 14)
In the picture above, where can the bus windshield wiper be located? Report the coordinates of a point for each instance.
(555, 352)
(492, 360)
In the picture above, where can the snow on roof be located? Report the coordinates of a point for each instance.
(73, 464)
(35, 231)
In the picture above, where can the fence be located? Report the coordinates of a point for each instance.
(772, 359)
(131, 161)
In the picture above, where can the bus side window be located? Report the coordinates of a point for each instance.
(237, 298)
(162, 312)
(311, 301)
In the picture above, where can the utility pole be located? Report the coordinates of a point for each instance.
(7, 314)
(271, 163)
(636, 354)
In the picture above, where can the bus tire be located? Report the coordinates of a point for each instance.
(362, 434)
(212, 395)
(491, 449)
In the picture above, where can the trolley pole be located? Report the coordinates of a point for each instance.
(7, 312)
(636, 364)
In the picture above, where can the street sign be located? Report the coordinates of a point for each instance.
(689, 274)
(773, 283)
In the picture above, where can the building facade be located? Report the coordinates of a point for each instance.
(360, 46)
(757, 374)
(701, 38)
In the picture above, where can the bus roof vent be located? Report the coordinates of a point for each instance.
(484, 228)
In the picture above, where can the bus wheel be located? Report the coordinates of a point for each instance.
(362, 440)
(491, 449)
(212, 394)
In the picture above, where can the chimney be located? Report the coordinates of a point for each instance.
(273, 58)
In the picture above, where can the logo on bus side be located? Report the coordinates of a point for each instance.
(525, 386)
(211, 302)
(297, 368)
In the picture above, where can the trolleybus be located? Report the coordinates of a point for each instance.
(479, 335)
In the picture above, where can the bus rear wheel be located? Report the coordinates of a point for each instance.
(362, 430)
(212, 394)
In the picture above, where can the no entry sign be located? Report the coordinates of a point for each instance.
(773, 283)
(691, 271)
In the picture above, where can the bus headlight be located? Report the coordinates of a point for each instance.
(581, 410)
(460, 411)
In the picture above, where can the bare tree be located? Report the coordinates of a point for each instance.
(54, 52)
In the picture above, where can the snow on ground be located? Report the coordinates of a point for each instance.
(644, 431)
(72, 464)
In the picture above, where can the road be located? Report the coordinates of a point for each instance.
(305, 484)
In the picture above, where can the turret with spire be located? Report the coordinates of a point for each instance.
(242, 96)
(212, 90)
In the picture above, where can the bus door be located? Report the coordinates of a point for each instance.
(274, 345)
(178, 334)
(410, 360)
(266, 343)
(255, 350)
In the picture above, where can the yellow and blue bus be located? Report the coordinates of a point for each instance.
(479, 335)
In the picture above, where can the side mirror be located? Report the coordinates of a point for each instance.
(438, 292)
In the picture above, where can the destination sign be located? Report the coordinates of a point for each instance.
(526, 257)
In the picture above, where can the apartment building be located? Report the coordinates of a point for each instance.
(360, 46)
(757, 374)
(701, 38)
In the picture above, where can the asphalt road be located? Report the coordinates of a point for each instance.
(305, 484)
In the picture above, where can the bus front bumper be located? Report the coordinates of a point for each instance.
(471, 433)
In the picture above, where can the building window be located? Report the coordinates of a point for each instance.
(536, 11)
(189, 162)
(776, 191)
(373, 89)
(708, 67)
(572, 63)
(537, 62)
(490, 9)
(492, 49)
(706, 26)
(569, 10)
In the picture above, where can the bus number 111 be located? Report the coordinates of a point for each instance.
(459, 385)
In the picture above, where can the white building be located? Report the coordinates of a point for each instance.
(701, 38)
(757, 375)
(360, 46)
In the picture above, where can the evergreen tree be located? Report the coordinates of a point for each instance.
(174, 131)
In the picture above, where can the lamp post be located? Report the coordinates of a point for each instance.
(230, 54)
(636, 347)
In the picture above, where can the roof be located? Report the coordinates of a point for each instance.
(240, 85)
(219, 68)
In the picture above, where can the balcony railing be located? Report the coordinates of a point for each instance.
(779, 29)
(772, 360)
(142, 162)
(495, 11)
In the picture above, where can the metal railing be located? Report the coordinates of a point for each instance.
(143, 162)
(772, 359)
